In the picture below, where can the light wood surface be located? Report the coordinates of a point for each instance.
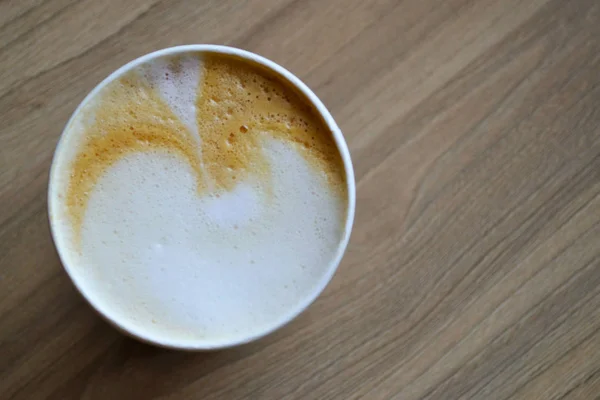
(474, 268)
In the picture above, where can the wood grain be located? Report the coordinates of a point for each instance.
(474, 267)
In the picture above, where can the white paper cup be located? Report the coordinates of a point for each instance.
(205, 344)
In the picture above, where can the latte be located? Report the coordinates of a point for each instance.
(199, 199)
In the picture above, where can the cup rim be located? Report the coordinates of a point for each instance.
(298, 308)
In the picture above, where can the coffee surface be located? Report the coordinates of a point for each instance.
(200, 197)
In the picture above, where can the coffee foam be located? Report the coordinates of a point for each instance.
(196, 215)
(239, 105)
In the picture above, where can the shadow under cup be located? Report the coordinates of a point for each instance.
(63, 237)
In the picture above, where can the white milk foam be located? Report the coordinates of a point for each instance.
(167, 262)
(179, 91)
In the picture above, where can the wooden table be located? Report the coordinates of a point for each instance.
(474, 268)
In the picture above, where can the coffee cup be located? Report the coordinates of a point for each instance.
(201, 197)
